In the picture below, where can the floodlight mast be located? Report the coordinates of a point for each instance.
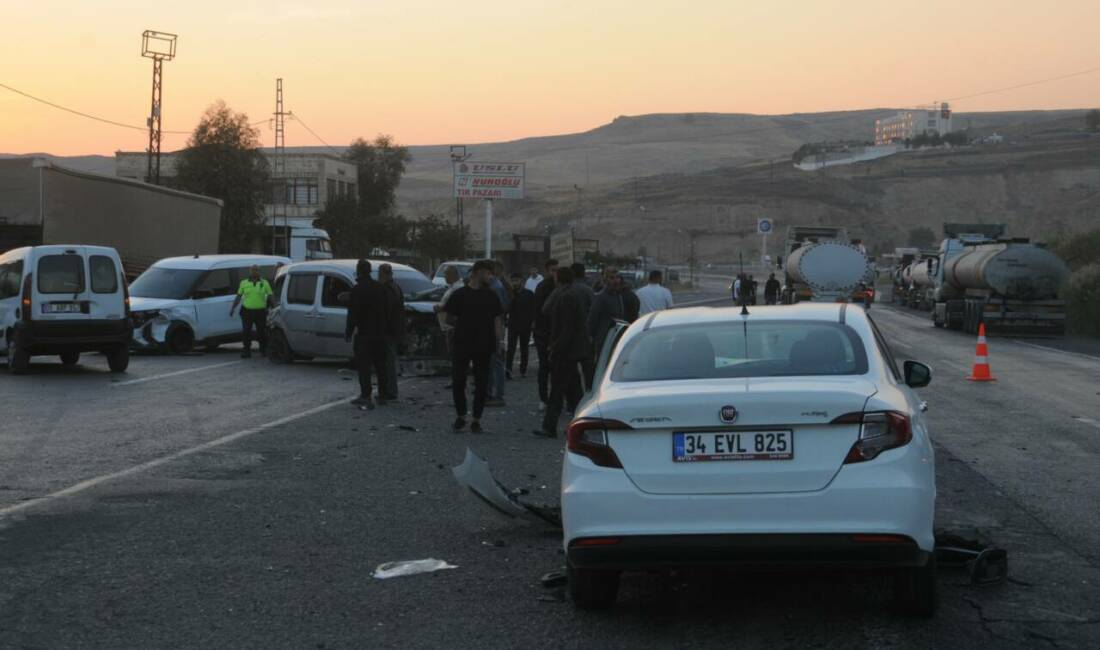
(160, 47)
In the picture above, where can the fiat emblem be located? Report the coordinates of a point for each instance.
(728, 413)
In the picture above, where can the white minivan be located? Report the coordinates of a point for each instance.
(183, 302)
(63, 300)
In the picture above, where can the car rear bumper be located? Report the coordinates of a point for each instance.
(55, 337)
(893, 495)
(682, 551)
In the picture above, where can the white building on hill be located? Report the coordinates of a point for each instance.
(909, 124)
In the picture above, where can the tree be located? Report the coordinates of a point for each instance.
(922, 237)
(1092, 120)
(223, 160)
(348, 231)
(380, 165)
(437, 239)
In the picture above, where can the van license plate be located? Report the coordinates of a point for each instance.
(61, 308)
(732, 445)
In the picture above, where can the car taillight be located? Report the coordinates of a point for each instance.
(588, 437)
(878, 431)
(28, 286)
(125, 295)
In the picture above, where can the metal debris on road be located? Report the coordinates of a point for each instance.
(554, 579)
(986, 564)
(474, 473)
(409, 568)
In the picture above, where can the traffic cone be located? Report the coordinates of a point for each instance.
(981, 359)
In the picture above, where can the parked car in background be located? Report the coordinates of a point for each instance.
(183, 302)
(311, 314)
(788, 436)
(63, 300)
(463, 270)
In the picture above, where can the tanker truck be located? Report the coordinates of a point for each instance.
(1010, 285)
(826, 271)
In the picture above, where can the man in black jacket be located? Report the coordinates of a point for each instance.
(521, 318)
(542, 327)
(569, 345)
(395, 329)
(367, 321)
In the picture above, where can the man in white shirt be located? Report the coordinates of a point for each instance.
(533, 280)
(653, 296)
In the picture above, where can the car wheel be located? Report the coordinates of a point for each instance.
(180, 340)
(118, 358)
(915, 590)
(593, 589)
(70, 358)
(19, 360)
(278, 349)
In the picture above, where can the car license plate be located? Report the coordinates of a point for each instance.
(61, 308)
(732, 445)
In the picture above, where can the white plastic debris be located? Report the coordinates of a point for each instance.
(409, 568)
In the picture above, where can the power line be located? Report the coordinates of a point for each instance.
(1026, 85)
(80, 113)
(295, 116)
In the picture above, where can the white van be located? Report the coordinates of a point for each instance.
(63, 300)
(182, 302)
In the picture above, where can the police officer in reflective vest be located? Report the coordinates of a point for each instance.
(253, 295)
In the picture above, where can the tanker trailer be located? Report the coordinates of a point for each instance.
(826, 272)
(1011, 286)
(922, 279)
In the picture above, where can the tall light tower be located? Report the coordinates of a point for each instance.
(278, 175)
(160, 47)
(458, 154)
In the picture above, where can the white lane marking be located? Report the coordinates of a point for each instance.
(1087, 421)
(176, 373)
(1079, 355)
(92, 482)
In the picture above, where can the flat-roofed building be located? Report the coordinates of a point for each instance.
(909, 124)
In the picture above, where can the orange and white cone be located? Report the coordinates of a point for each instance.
(981, 359)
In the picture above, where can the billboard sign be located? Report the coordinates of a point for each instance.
(489, 180)
(561, 247)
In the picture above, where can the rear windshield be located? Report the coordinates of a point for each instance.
(166, 283)
(104, 275)
(732, 349)
(61, 274)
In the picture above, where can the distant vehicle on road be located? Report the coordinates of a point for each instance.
(183, 302)
(823, 265)
(306, 242)
(311, 313)
(63, 300)
(463, 270)
(785, 437)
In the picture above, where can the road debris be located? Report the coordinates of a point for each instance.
(554, 579)
(986, 564)
(409, 568)
(474, 473)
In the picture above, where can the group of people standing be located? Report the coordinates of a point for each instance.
(745, 288)
(376, 323)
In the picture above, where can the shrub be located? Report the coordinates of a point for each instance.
(1082, 295)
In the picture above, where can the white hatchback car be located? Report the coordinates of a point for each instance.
(787, 436)
(181, 302)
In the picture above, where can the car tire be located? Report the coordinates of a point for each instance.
(19, 360)
(70, 358)
(180, 339)
(118, 358)
(916, 590)
(278, 348)
(593, 589)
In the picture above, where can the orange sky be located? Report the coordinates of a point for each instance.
(443, 71)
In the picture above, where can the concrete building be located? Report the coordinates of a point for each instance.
(310, 180)
(909, 124)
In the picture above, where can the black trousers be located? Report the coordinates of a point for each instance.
(564, 384)
(523, 340)
(257, 317)
(543, 351)
(388, 388)
(461, 361)
(370, 354)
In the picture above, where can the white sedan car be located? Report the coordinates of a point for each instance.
(788, 436)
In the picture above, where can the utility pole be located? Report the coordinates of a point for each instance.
(278, 176)
(160, 47)
(458, 154)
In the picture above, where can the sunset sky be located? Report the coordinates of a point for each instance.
(437, 72)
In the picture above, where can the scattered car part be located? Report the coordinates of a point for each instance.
(410, 567)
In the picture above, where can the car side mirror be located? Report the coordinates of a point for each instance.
(917, 374)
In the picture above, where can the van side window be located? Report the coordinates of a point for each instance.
(334, 286)
(104, 275)
(216, 282)
(11, 279)
(278, 290)
(61, 274)
(302, 289)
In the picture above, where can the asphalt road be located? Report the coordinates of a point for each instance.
(208, 501)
